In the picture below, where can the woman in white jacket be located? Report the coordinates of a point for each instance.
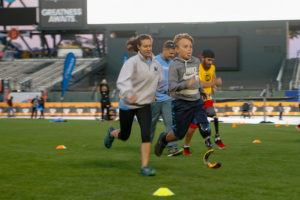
(138, 81)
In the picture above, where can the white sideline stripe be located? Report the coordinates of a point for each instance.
(290, 120)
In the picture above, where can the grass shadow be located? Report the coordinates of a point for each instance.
(105, 164)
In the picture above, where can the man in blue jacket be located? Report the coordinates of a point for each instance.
(162, 105)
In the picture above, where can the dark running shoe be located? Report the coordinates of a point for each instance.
(208, 143)
(147, 171)
(109, 139)
(160, 145)
(175, 152)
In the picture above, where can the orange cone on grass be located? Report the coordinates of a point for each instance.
(256, 141)
(61, 147)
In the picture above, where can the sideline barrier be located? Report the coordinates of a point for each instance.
(235, 108)
(58, 109)
(94, 109)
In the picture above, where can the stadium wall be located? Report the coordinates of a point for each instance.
(72, 96)
(261, 47)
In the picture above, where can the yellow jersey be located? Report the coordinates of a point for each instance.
(207, 76)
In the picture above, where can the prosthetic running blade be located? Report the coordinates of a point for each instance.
(206, 162)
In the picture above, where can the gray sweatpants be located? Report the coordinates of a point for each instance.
(164, 109)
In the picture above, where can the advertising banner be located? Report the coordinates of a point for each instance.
(62, 14)
(68, 69)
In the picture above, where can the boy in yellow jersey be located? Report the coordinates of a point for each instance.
(207, 77)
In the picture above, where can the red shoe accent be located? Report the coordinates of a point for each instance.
(193, 125)
(220, 144)
(186, 151)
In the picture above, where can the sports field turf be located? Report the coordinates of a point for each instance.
(31, 167)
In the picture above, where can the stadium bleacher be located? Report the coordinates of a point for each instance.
(296, 75)
(288, 77)
(42, 73)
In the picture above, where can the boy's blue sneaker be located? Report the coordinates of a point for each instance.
(109, 139)
(147, 171)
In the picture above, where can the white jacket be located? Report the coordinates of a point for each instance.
(137, 78)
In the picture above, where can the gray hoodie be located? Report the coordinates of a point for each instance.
(180, 72)
(138, 78)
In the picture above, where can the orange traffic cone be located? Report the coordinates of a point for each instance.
(61, 147)
(233, 125)
(256, 141)
(287, 124)
(277, 125)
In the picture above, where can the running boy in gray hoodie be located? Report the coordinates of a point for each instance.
(185, 90)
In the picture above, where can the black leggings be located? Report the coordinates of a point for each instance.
(105, 109)
(144, 119)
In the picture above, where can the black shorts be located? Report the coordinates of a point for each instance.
(185, 112)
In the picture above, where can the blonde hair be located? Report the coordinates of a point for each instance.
(181, 36)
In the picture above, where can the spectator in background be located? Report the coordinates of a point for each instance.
(105, 102)
(251, 105)
(246, 110)
(280, 109)
(35, 106)
(10, 109)
(41, 107)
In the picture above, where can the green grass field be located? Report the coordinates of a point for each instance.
(31, 167)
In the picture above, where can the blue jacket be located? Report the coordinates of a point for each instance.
(163, 89)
